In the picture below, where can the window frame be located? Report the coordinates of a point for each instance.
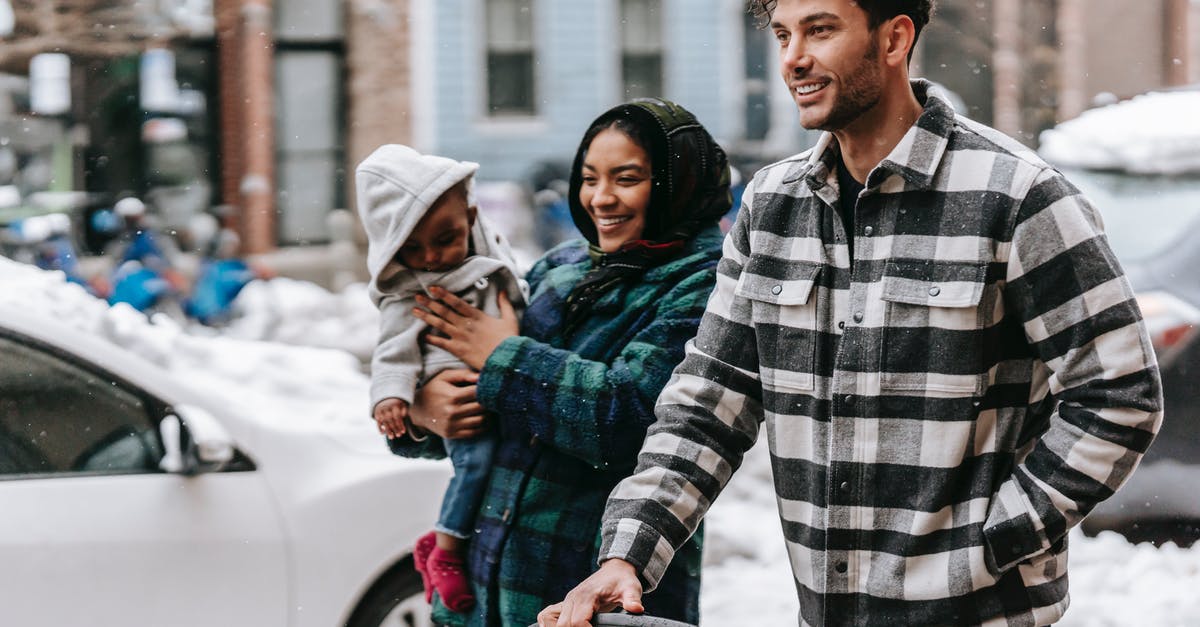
(622, 53)
(516, 119)
(336, 50)
(329, 41)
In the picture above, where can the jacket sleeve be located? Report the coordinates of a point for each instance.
(1101, 378)
(592, 410)
(396, 363)
(708, 417)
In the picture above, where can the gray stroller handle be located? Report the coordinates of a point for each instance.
(620, 619)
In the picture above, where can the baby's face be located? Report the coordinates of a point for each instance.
(440, 240)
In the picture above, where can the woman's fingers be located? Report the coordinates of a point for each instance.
(458, 305)
(470, 421)
(467, 409)
(440, 309)
(460, 376)
(506, 309)
(436, 322)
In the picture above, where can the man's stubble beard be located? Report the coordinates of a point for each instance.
(860, 91)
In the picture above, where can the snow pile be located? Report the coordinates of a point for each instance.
(302, 313)
(746, 575)
(275, 381)
(1154, 133)
(1114, 583)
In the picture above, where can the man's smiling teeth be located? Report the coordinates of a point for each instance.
(612, 221)
(808, 89)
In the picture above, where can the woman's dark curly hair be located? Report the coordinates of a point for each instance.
(878, 11)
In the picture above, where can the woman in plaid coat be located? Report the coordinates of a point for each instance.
(573, 394)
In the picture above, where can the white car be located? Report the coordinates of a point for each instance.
(128, 499)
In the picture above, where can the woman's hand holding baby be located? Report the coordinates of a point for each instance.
(465, 331)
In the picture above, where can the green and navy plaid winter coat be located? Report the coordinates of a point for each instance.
(572, 412)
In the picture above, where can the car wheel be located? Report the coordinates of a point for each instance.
(396, 600)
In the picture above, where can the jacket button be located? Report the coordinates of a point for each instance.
(935, 290)
(858, 316)
(868, 231)
(777, 290)
(841, 324)
(841, 567)
(845, 486)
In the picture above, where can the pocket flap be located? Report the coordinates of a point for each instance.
(777, 281)
(934, 283)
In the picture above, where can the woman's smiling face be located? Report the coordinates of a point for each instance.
(616, 188)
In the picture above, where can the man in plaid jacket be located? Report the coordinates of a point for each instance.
(928, 323)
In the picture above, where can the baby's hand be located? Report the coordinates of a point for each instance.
(389, 415)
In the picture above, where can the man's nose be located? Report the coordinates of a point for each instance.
(795, 59)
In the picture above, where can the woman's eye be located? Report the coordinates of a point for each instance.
(629, 180)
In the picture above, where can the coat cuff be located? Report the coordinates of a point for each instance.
(1013, 530)
(402, 387)
(640, 545)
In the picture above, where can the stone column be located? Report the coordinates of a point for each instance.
(379, 89)
(245, 58)
(1006, 67)
(1072, 59)
(1176, 48)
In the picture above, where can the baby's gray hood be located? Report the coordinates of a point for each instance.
(396, 186)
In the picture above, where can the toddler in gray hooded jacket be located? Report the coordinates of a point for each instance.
(423, 229)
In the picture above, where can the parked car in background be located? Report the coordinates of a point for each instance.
(1153, 225)
(1139, 162)
(129, 499)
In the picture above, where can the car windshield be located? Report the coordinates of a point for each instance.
(1143, 214)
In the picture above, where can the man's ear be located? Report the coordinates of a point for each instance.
(901, 35)
(472, 210)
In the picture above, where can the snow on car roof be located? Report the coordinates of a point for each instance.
(1154, 133)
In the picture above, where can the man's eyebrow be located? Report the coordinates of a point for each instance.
(809, 19)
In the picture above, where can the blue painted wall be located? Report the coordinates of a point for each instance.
(577, 76)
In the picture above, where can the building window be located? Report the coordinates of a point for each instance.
(308, 141)
(759, 43)
(309, 103)
(510, 59)
(641, 48)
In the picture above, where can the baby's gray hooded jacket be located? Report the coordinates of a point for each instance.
(396, 186)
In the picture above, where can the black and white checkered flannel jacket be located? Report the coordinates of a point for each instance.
(939, 413)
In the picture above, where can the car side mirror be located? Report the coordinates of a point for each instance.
(194, 442)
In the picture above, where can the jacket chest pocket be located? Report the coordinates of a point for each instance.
(784, 313)
(931, 335)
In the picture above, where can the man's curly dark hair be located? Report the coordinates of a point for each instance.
(878, 11)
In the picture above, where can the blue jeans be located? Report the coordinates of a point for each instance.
(472, 461)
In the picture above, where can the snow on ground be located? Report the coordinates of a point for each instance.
(318, 377)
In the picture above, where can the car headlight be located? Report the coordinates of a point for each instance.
(1170, 322)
